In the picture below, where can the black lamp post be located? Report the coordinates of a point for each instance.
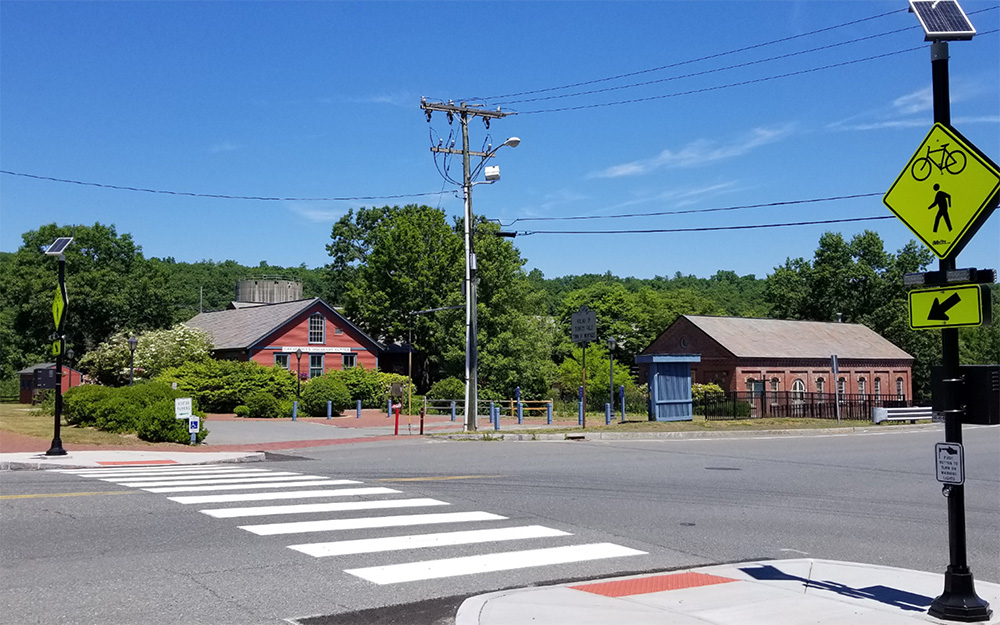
(132, 342)
(58, 248)
(611, 366)
(298, 373)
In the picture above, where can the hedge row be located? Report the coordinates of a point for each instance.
(146, 410)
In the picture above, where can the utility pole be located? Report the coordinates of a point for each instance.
(464, 112)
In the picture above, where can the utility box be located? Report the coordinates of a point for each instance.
(980, 393)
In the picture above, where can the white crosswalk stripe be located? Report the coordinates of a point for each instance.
(295, 494)
(421, 541)
(306, 508)
(271, 488)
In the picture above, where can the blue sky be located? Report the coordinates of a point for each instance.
(321, 100)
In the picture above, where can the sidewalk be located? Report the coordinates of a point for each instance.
(770, 592)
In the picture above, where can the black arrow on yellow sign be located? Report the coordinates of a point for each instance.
(939, 309)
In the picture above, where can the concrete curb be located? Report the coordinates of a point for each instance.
(41, 462)
(493, 435)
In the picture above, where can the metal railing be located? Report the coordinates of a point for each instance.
(792, 404)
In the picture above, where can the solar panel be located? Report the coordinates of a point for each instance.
(942, 20)
(59, 246)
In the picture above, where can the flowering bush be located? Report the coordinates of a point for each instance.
(155, 351)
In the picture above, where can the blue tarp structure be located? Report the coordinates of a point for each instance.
(669, 386)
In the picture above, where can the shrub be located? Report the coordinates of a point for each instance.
(155, 351)
(80, 403)
(448, 388)
(156, 424)
(242, 411)
(262, 405)
(362, 384)
(699, 391)
(319, 391)
(221, 385)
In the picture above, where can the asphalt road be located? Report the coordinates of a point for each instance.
(115, 554)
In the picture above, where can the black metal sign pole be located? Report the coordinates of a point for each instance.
(57, 449)
(959, 601)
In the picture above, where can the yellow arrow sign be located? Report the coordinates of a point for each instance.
(950, 307)
(58, 306)
(945, 192)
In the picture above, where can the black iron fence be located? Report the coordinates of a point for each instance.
(792, 404)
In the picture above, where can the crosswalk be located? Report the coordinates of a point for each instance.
(331, 505)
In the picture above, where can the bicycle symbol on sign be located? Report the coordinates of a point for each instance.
(951, 161)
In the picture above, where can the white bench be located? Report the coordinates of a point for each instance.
(902, 414)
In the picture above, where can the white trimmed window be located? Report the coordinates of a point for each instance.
(878, 386)
(798, 390)
(899, 387)
(315, 365)
(862, 384)
(750, 385)
(350, 360)
(281, 360)
(317, 328)
(841, 386)
(819, 385)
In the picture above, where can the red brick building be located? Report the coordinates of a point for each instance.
(741, 354)
(306, 336)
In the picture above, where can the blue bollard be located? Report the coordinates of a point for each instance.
(520, 412)
(548, 413)
(492, 414)
(329, 409)
(388, 409)
(452, 411)
(607, 414)
(496, 419)
(579, 413)
(295, 410)
(359, 408)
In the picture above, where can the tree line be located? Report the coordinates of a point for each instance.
(387, 263)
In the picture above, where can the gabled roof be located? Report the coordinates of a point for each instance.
(241, 328)
(785, 338)
(43, 365)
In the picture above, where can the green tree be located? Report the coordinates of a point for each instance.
(110, 285)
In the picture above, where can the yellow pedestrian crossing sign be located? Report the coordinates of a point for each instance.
(945, 192)
(58, 306)
(958, 306)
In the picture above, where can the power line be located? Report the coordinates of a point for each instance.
(726, 86)
(688, 62)
(219, 195)
(706, 228)
(712, 71)
(697, 210)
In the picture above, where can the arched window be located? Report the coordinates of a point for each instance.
(819, 385)
(899, 387)
(878, 386)
(841, 386)
(750, 383)
(774, 389)
(861, 386)
(798, 390)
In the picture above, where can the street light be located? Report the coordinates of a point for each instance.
(132, 342)
(471, 321)
(298, 373)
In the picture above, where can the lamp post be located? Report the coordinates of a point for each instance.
(611, 366)
(298, 373)
(132, 343)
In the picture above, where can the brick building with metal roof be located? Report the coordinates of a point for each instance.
(741, 354)
(306, 336)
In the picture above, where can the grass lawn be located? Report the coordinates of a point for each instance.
(18, 419)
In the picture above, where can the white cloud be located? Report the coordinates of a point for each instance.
(916, 102)
(317, 211)
(699, 152)
(224, 146)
